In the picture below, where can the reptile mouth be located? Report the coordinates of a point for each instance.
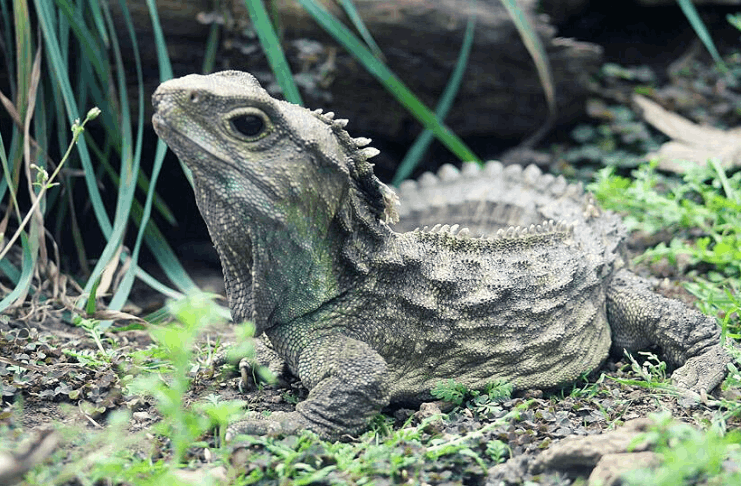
(163, 105)
(160, 108)
(158, 123)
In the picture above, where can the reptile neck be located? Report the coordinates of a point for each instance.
(295, 262)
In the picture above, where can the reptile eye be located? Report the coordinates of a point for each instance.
(248, 125)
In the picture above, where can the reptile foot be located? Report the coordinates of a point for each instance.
(703, 372)
(277, 423)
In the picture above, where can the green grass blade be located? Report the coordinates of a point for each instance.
(24, 52)
(29, 263)
(212, 46)
(734, 20)
(165, 67)
(129, 167)
(357, 21)
(128, 185)
(536, 50)
(97, 14)
(7, 32)
(89, 85)
(273, 50)
(156, 241)
(419, 147)
(6, 183)
(702, 32)
(153, 237)
(10, 271)
(46, 19)
(163, 58)
(89, 42)
(159, 286)
(731, 193)
(388, 79)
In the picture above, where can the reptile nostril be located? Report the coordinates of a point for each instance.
(194, 96)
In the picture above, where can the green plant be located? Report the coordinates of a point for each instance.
(650, 374)
(729, 402)
(182, 425)
(219, 413)
(457, 393)
(79, 47)
(498, 450)
(585, 388)
(621, 140)
(450, 391)
(652, 371)
(705, 201)
(688, 455)
(95, 331)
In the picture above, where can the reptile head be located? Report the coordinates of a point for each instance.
(265, 154)
(279, 186)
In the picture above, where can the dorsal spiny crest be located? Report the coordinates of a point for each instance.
(381, 199)
(534, 229)
(454, 230)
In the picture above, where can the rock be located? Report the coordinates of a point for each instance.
(611, 467)
(586, 452)
(510, 472)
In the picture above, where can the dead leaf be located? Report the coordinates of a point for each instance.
(690, 141)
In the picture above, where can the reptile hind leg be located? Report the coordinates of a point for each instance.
(689, 339)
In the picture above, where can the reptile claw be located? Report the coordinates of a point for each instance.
(704, 372)
(277, 423)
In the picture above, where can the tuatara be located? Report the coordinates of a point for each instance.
(536, 292)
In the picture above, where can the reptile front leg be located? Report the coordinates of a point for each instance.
(347, 382)
(689, 339)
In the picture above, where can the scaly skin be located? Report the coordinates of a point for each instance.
(365, 315)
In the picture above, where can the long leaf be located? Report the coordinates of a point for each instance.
(272, 49)
(155, 242)
(689, 10)
(536, 50)
(388, 79)
(46, 18)
(29, 262)
(163, 58)
(128, 167)
(212, 46)
(127, 187)
(91, 46)
(357, 21)
(419, 147)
